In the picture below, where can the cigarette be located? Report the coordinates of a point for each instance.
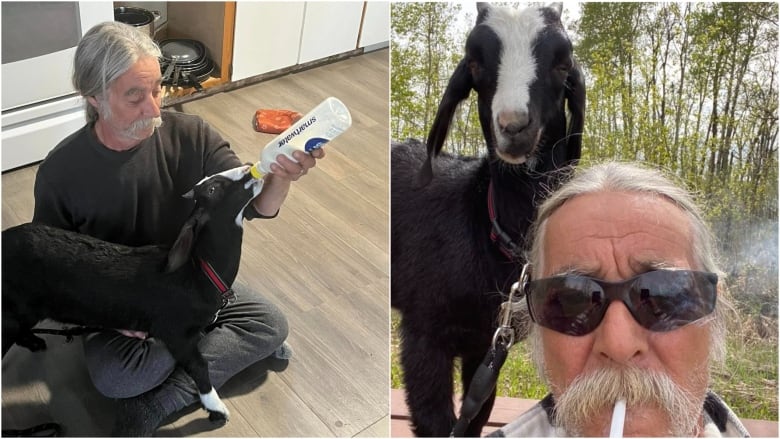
(618, 416)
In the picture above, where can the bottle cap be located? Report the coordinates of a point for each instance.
(256, 172)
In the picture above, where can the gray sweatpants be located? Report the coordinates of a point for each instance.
(246, 331)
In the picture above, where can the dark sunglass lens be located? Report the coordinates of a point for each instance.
(664, 300)
(572, 305)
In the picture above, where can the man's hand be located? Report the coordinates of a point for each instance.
(288, 169)
(283, 172)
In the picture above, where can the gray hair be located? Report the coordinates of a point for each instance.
(106, 52)
(624, 177)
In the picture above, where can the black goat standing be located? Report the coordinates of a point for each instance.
(448, 275)
(75, 278)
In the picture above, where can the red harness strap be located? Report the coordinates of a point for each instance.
(228, 296)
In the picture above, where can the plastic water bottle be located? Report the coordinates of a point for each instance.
(312, 131)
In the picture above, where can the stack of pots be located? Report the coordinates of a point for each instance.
(184, 62)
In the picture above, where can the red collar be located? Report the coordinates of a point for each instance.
(228, 296)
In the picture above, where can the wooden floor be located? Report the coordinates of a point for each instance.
(324, 261)
(504, 411)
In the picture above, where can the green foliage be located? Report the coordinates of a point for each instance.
(519, 378)
(426, 46)
(420, 55)
(396, 373)
(748, 379)
(691, 88)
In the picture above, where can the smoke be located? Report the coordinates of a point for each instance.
(748, 251)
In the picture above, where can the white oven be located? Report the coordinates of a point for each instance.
(40, 107)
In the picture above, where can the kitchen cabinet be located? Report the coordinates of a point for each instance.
(266, 37)
(329, 28)
(210, 23)
(246, 38)
(272, 36)
(376, 24)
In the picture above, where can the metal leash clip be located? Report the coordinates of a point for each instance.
(504, 332)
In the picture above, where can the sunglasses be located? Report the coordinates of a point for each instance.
(660, 300)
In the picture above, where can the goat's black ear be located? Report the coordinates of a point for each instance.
(575, 97)
(457, 90)
(181, 250)
(557, 7)
(482, 11)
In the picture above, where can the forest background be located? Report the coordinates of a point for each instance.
(689, 87)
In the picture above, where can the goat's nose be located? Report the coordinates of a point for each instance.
(512, 122)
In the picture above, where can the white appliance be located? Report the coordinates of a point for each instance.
(40, 107)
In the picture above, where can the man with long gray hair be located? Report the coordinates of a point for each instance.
(120, 178)
(627, 311)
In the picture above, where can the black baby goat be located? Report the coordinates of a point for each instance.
(172, 294)
(459, 223)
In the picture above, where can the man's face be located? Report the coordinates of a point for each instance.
(131, 109)
(615, 236)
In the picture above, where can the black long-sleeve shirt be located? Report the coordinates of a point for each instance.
(132, 197)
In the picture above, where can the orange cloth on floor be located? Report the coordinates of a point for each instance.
(274, 121)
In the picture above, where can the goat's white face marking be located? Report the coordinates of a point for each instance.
(237, 174)
(254, 183)
(517, 68)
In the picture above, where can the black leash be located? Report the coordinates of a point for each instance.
(482, 386)
(486, 376)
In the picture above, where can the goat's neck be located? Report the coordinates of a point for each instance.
(221, 247)
(516, 191)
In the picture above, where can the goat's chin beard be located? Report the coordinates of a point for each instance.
(510, 159)
(530, 160)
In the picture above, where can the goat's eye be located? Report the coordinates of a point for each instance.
(565, 64)
(212, 189)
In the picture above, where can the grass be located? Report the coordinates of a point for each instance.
(518, 377)
(747, 382)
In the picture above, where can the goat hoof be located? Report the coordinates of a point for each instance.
(218, 412)
(218, 418)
